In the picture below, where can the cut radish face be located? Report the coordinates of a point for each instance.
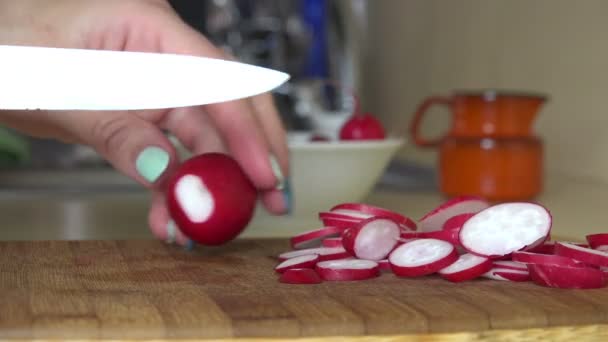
(347, 269)
(505, 228)
(325, 253)
(598, 241)
(456, 222)
(511, 265)
(586, 255)
(545, 259)
(300, 276)
(456, 206)
(210, 198)
(564, 277)
(365, 211)
(304, 261)
(314, 236)
(372, 239)
(332, 242)
(505, 274)
(467, 267)
(422, 257)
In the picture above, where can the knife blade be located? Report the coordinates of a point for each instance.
(77, 79)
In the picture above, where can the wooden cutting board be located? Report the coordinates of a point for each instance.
(146, 289)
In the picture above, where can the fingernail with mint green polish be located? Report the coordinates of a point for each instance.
(278, 173)
(288, 196)
(152, 162)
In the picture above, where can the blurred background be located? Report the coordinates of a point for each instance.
(393, 54)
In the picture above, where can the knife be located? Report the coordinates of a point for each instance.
(77, 79)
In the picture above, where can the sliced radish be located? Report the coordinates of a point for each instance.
(338, 222)
(510, 265)
(304, 261)
(366, 209)
(372, 239)
(325, 253)
(422, 257)
(598, 241)
(586, 255)
(467, 267)
(456, 222)
(300, 276)
(545, 259)
(505, 274)
(505, 228)
(384, 265)
(450, 235)
(347, 269)
(314, 236)
(435, 219)
(332, 242)
(564, 277)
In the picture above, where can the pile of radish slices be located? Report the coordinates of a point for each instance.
(463, 239)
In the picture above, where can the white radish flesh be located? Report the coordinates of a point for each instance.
(347, 269)
(435, 219)
(304, 261)
(467, 267)
(422, 257)
(325, 253)
(505, 274)
(505, 228)
(372, 239)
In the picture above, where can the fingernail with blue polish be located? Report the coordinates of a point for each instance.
(189, 245)
(152, 162)
(278, 173)
(288, 196)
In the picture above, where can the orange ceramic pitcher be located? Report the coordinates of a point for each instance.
(490, 150)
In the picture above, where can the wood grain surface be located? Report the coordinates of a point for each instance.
(148, 290)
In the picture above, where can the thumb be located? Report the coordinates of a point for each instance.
(131, 144)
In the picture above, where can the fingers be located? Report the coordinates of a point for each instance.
(160, 223)
(131, 144)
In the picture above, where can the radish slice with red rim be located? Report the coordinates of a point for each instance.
(384, 265)
(451, 235)
(546, 259)
(505, 274)
(370, 210)
(325, 253)
(300, 276)
(314, 236)
(511, 265)
(332, 242)
(456, 222)
(304, 261)
(422, 257)
(467, 267)
(598, 241)
(505, 228)
(586, 255)
(347, 269)
(435, 219)
(564, 277)
(372, 239)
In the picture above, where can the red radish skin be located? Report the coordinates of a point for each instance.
(370, 210)
(598, 241)
(362, 127)
(371, 239)
(505, 228)
(456, 222)
(564, 277)
(505, 274)
(300, 276)
(435, 219)
(467, 267)
(211, 199)
(325, 253)
(314, 236)
(384, 265)
(510, 265)
(586, 255)
(304, 261)
(341, 223)
(347, 270)
(422, 257)
(451, 235)
(545, 259)
(332, 242)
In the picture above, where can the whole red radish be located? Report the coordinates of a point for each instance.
(362, 127)
(211, 199)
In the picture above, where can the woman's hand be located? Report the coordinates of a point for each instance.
(133, 141)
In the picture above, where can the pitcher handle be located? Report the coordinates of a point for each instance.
(417, 121)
